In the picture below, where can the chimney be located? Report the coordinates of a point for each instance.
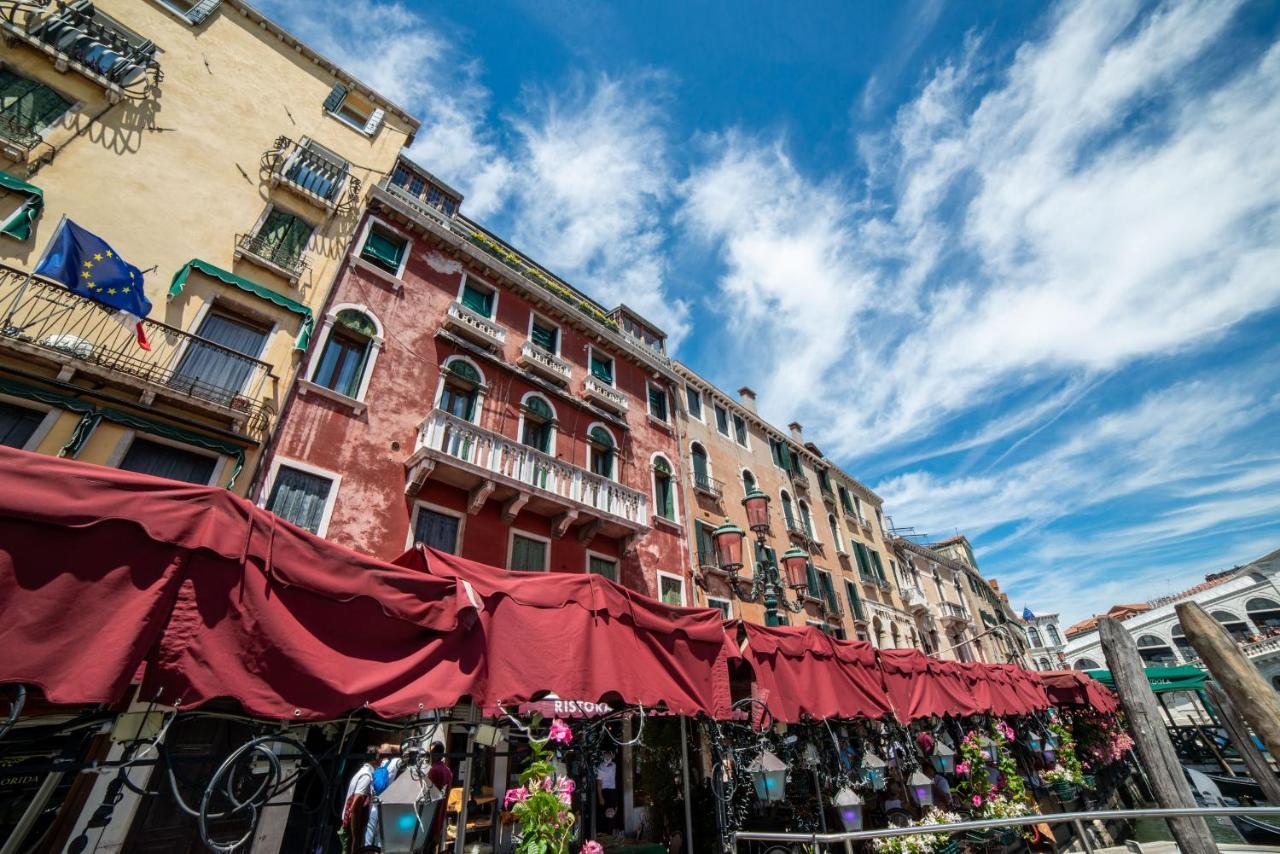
(797, 432)
(747, 397)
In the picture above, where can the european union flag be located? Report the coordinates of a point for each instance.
(88, 266)
(1026, 613)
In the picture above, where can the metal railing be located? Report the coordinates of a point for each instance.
(1075, 819)
(273, 252)
(92, 43)
(46, 317)
(19, 134)
(313, 172)
(708, 485)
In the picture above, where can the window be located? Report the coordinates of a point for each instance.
(528, 554)
(147, 457)
(806, 519)
(317, 171)
(845, 501)
(722, 419)
(788, 513)
(706, 544)
(1033, 636)
(664, 499)
(301, 497)
(827, 590)
(824, 481)
(694, 399)
(544, 335)
(724, 606)
(864, 562)
(27, 107)
(1265, 613)
(436, 530)
(1233, 624)
(384, 248)
(857, 508)
(701, 467)
(538, 424)
(740, 430)
(1087, 664)
(195, 11)
(1054, 637)
(282, 238)
(601, 451)
(601, 367)
(18, 424)
(478, 297)
(835, 533)
(670, 589)
(351, 109)
(1044, 664)
(218, 366)
(657, 402)
(1154, 651)
(778, 450)
(460, 390)
(601, 565)
(346, 353)
(748, 481)
(795, 468)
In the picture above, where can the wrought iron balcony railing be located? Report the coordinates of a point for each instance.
(87, 40)
(313, 172)
(708, 485)
(42, 318)
(19, 134)
(287, 259)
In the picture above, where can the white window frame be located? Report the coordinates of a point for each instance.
(805, 512)
(348, 122)
(555, 421)
(834, 524)
(443, 511)
(331, 500)
(648, 404)
(653, 488)
(728, 420)
(528, 535)
(705, 453)
(613, 474)
(317, 354)
(677, 578)
(51, 416)
(617, 564)
(358, 247)
(591, 352)
(480, 392)
(717, 602)
(540, 318)
(462, 284)
(129, 436)
(701, 417)
(746, 430)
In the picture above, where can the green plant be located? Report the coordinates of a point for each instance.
(1065, 752)
(541, 801)
(920, 843)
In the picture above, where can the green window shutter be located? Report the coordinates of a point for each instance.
(864, 563)
(657, 402)
(700, 466)
(603, 566)
(879, 567)
(334, 100)
(815, 587)
(602, 368)
(479, 301)
(528, 555)
(695, 402)
(601, 437)
(706, 545)
(722, 420)
(383, 250)
(544, 337)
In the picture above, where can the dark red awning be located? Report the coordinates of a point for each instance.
(1073, 688)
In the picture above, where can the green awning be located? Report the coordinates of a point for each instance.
(308, 320)
(19, 224)
(1162, 679)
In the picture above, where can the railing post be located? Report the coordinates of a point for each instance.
(1083, 834)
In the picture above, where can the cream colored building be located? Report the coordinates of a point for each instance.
(222, 157)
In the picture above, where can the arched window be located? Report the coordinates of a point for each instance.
(1044, 664)
(1086, 664)
(1033, 636)
(701, 467)
(460, 389)
(1154, 651)
(787, 512)
(748, 481)
(664, 494)
(835, 533)
(1184, 646)
(1238, 628)
(806, 519)
(538, 424)
(893, 633)
(1264, 612)
(347, 355)
(601, 451)
(1054, 637)
(878, 628)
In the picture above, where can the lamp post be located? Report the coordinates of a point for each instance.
(768, 583)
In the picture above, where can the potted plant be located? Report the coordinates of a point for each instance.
(922, 843)
(541, 802)
(1062, 781)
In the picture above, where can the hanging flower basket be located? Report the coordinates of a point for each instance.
(1090, 782)
(1064, 790)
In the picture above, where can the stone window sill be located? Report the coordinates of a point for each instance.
(307, 387)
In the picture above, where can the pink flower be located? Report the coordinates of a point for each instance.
(515, 796)
(566, 786)
(963, 769)
(565, 798)
(977, 800)
(560, 732)
(592, 847)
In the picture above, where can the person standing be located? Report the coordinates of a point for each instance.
(607, 800)
(440, 776)
(362, 811)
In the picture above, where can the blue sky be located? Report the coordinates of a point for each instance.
(1016, 265)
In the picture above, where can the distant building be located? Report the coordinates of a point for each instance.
(1045, 641)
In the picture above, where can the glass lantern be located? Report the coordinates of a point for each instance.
(795, 563)
(769, 776)
(873, 771)
(728, 544)
(1035, 743)
(849, 806)
(757, 507)
(944, 758)
(921, 789)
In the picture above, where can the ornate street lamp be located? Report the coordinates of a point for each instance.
(849, 805)
(921, 789)
(768, 584)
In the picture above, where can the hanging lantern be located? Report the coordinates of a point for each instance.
(728, 543)
(1035, 743)
(849, 805)
(1050, 755)
(757, 506)
(921, 789)
(989, 748)
(944, 758)
(769, 775)
(796, 564)
(1051, 740)
(873, 771)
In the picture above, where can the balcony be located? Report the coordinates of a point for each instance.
(952, 614)
(314, 173)
(595, 390)
(18, 139)
(914, 599)
(78, 37)
(45, 322)
(475, 326)
(491, 466)
(798, 479)
(708, 486)
(275, 256)
(544, 363)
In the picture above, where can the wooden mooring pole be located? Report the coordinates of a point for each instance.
(1257, 764)
(1155, 750)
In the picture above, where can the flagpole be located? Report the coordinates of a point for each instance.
(22, 288)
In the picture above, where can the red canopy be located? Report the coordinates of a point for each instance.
(803, 672)
(1073, 688)
(585, 638)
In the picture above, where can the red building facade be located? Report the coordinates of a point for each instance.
(459, 395)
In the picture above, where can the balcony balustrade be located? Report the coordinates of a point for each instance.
(950, 612)
(313, 172)
(44, 320)
(475, 326)
(284, 259)
(708, 485)
(596, 391)
(545, 363)
(914, 599)
(468, 456)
